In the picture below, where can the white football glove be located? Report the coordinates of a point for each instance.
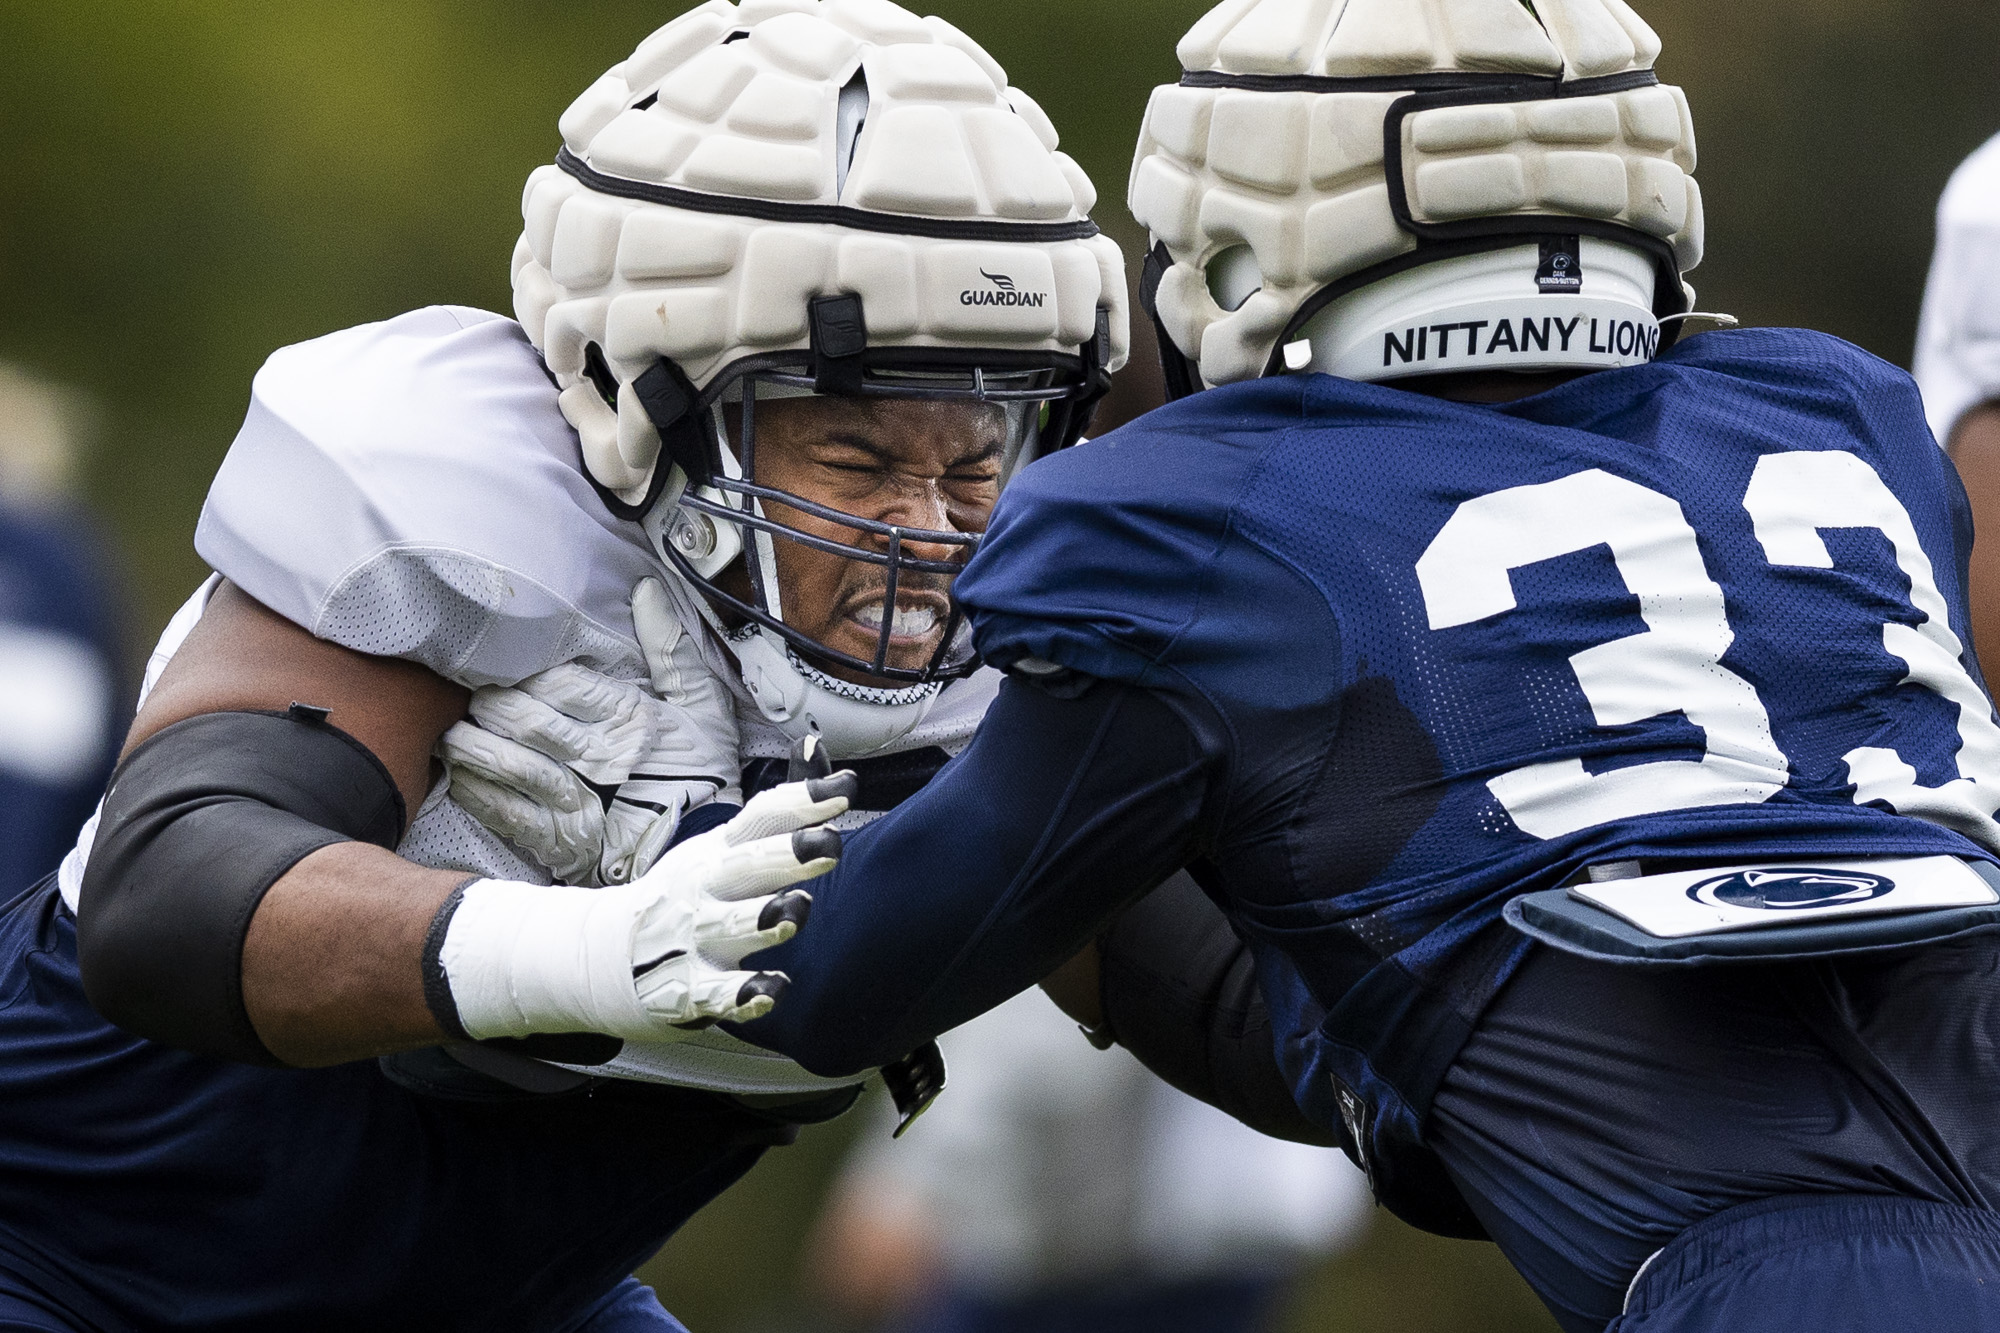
(647, 960)
(537, 761)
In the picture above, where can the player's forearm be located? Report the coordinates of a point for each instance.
(233, 808)
(1975, 449)
(220, 827)
(1005, 865)
(333, 960)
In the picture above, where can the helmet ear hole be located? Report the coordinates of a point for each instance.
(849, 122)
(1233, 277)
(598, 372)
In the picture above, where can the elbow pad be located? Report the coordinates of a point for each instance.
(199, 823)
(1180, 992)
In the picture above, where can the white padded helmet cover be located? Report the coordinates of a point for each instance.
(745, 102)
(1299, 176)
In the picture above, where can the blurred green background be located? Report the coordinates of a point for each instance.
(188, 184)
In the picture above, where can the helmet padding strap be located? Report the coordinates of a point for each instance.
(839, 337)
(669, 398)
(1176, 365)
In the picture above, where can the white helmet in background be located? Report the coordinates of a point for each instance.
(1379, 189)
(807, 197)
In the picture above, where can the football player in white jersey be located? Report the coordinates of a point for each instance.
(1958, 362)
(807, 282)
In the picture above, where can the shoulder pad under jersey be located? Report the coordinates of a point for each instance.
(410, 489)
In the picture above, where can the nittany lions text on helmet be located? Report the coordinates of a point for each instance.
(1390, 188)
(786, 199)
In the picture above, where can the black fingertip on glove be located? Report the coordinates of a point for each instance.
(765, 985)
(844, 783)
(794, 907)
(812, 844)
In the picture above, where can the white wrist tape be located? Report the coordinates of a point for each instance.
(524, 958)
(641, 960)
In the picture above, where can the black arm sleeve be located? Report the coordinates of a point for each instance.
(1009, 861)
(200, 821)
(1180, 992)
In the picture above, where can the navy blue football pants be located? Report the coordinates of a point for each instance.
(1810, 1147)
(1825, 1264)
(630, 1308)
(143, 1188)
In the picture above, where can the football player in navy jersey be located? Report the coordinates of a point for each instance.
(292, 1041)
(1552, 706)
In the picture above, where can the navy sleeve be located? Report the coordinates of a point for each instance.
(1180, 992)
(1060, 812)
(1103, 558)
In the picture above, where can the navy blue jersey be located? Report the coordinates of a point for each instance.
(1706, 609)
(1711, 607)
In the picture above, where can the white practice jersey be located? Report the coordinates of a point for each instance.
(1958, 340)
(409, 489)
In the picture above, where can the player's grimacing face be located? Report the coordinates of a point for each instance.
(914, 463)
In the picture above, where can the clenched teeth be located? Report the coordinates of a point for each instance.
(911, 623)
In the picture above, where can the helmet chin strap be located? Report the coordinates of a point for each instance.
(766, 565)
(853, 721)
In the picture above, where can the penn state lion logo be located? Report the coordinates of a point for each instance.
(1790, 890)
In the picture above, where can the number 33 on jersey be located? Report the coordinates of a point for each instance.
(1681, 662)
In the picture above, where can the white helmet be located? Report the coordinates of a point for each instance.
(794, 197)
(1384, 188)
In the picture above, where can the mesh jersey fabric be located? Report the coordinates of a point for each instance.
(1250, 554)
(410, 489)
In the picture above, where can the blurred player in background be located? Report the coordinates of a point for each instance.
(1059, 1189)
(1958, 364)
(62, 701)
